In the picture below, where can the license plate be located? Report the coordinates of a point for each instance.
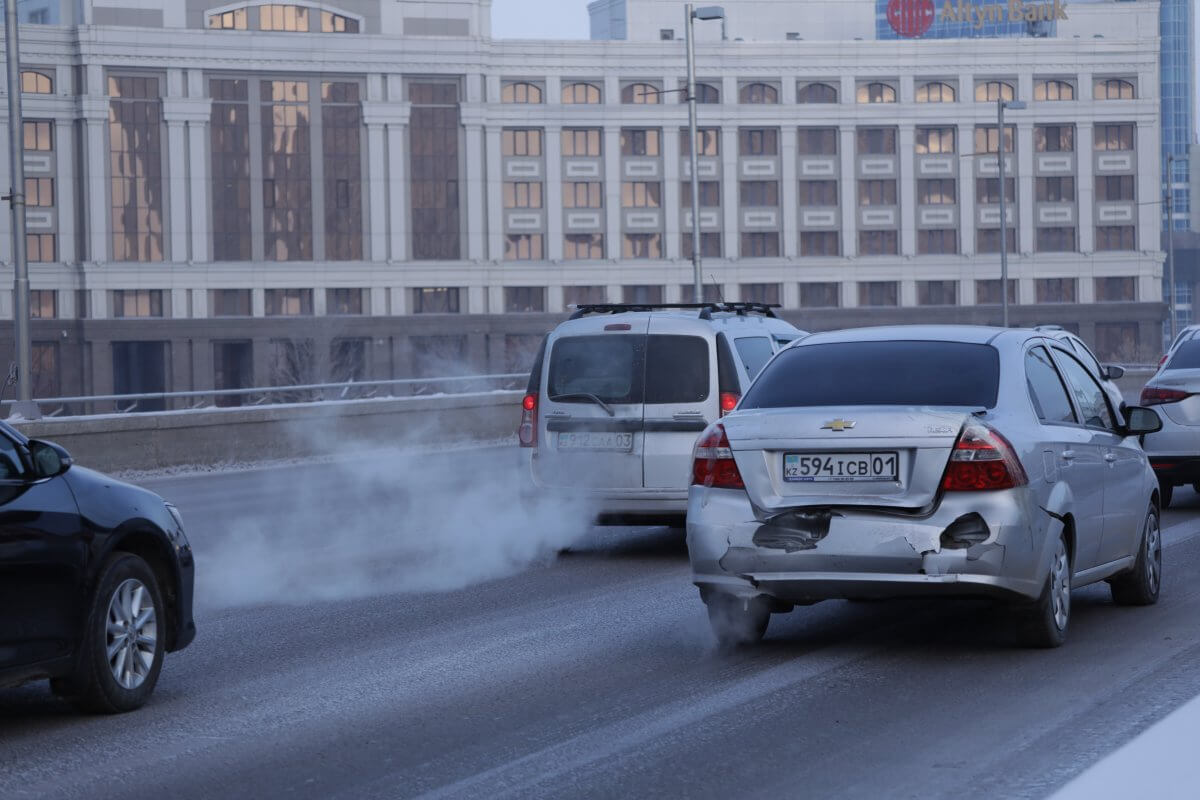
(585, 440)
(840, 467)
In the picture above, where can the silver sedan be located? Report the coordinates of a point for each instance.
(950, 460)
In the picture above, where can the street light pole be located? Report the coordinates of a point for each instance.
(16, 198)
(1016, 105)
(1170, 192)
(692, 14)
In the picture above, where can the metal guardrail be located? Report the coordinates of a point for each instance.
(271, 395)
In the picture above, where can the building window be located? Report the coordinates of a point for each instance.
(877, 193)
(136, 168)
(585, 142)
(229, 140)
(33, 82)
(1055, 190)
(520, 92)
(709, 194)
(877, 141)
(229, 303)
(1053, 90)
(820, 295)
(522, 194)
(987, 138)
(1055, 290)
(1115, 237)
(643, 142)
(521, 142)
(987, 190)
(583, 246)
(341, 120)
(433, 163)
(642, 245)
(758, 94)
(1117, 341)
(642, 295)
(818, 142)
(289, 302)
(1054, 138)
(876, 93)
(39, 192)
(641, 194)
(987, 292)
(293, 19)
(1114, 188)
(293, 362)
(1056, 240)
(584, 295)
(640, 94)
(287, 171)
(38, 135)
(759, 193)
(937, 241)
(705, 93)
(936, 92)
(524, 299)
(583, 194)
(1114, 89)
(336, 23)
(932, 141)
(524, 247)
(580, 94)
(820, 243)
(710, 245)
(816, 93)
(760, 293)
(991, 91)
(43, 304)
(137, 303)
(877, 243)
(758, 141)
(818, 193)
(760, 244)
(708, 142)
(1116, 290)
(709, 293)
(937, 293)
(987, 240)
(435, 300)
(879, 293)
(44, 365)
(936, 192)
(1117, 136)
(41, 247)
(234, 20)
(344, 302)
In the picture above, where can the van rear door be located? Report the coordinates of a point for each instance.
(680, 400)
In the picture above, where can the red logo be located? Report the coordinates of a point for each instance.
(910, 18)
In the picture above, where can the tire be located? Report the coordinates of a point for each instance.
(1196, 487)
(1165, 492)
(1045, 623)
(1139, 586)
(737, 622)
(126, 598)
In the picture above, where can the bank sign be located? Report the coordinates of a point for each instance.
(959, 19)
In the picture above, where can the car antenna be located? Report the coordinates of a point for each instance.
(717, 286)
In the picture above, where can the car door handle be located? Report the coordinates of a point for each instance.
(1110, 457)
(1068, 455)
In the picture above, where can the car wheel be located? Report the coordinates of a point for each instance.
(737, 622)
(1139, 586)
(1165, 492)
(1045, 623)
(121, 649)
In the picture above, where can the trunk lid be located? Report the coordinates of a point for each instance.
(1184, 412)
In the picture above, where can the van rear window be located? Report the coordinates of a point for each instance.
(634, 368)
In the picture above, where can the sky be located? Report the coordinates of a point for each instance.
(540, 19)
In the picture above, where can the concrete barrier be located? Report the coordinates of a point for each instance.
(135, 442)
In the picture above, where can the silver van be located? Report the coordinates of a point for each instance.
(619, 393)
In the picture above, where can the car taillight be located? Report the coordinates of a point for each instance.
(527, 433)
(729, 401)
(1163, 360)
(982, 461)
(712, 462)
(1157, 396)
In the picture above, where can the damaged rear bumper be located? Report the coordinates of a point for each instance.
(982, 544)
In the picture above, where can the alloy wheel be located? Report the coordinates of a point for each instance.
(132, 633)
(1153, 555)
(1060, 586)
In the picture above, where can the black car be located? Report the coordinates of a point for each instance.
(95, 579)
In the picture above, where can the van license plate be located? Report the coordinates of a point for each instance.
(595, 440)
(840, 467)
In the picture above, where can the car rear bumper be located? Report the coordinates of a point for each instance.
(616, 506)
(853, 553)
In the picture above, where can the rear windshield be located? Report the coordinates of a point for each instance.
(1186, 357)
(630, 368)
(879, 373)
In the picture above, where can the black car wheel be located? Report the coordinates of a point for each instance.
(1045, 623)
(737, 622)
(1139, 586)
(121, 651)
(1165, 492)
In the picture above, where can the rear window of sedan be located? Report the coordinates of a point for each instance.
(1186, 357)
(879, 374)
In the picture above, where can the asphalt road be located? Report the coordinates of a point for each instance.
(397, 658)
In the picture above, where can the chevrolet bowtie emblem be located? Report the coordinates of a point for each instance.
(838, 425)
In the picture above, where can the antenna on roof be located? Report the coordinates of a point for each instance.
(717, 286)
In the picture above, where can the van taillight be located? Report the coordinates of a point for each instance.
(729, 401)
(712, 461)
(982, 461)
(527, 433)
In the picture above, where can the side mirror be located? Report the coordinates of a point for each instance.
(49, 459)
(1142, 421)
(1113, 373)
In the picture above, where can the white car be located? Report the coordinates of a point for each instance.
(619, 393)
(1174, 392)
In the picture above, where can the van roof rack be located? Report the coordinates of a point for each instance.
(706, 309)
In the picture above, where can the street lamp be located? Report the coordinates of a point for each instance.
(1170, 198)
(1015, 105)
(692, 14)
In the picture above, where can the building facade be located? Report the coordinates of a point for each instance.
(248, 194)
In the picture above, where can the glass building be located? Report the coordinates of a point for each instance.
(1178, 122)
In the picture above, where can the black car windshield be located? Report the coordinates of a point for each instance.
(630, 368)
(879, 373)
(1186, 357)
